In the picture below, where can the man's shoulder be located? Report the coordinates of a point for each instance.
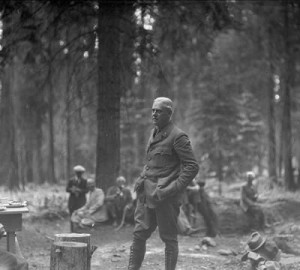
(111, 189)
(126, 189)
(176, 131)
(99, 190)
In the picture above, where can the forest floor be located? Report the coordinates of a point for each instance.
(113, 248)
(48, 216)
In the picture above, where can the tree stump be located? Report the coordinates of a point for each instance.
(68, 256)
(78, 238)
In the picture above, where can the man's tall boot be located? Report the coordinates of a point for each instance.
(171, 258)
(137, 254)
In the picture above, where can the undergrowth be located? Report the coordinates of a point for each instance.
(43, 201)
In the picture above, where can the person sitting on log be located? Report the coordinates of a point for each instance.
(249, 203)
(201, 203)
(8, 260)
(184, 226)
(94, 211)
(117, 198)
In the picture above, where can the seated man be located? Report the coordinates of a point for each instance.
(94, 210)
(201, 203)
(10, 261)
(183, 224)
(249, 204)
(117, 198)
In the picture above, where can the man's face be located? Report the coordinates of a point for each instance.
(79, 174)
(91, 186)
(161, 116)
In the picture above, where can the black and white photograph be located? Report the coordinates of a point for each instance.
(149, 135)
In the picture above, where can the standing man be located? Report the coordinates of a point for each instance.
(170, 167)
(77, 187)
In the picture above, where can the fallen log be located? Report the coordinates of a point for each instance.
(232, 219)
(68, 256)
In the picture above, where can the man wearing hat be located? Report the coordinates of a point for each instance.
(170, 167)
(77, 187)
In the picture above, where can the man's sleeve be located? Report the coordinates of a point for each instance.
(97, 201)
(188, 168)
(189, 165)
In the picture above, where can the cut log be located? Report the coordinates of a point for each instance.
(232, 219)
(78, 238)
(68, 256)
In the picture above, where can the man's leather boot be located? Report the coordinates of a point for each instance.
(137, 253)
(171, 259)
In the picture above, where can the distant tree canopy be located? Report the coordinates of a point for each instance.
(78, 79)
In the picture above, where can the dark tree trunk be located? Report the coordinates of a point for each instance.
(142, 104)
(68, 115)
(109, 92)
(13, 168)
(51, 164)
(286, 125)
(271, 117)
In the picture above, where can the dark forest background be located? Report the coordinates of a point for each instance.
(78, 79)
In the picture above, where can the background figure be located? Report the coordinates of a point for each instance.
(170, 167)
(248, 203)
(206, 210)
(200, 202)
(77, 187)
(184, 226)
(94, 210)
(117, 198)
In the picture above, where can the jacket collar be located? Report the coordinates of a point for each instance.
(161, 135)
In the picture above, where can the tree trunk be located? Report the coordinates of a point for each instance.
(51, 168)
(79, 238)
(68, 114)
(141, 95)
(109, 92)
(271, 116)
(68, 256)
(13, 173)
(286, 125)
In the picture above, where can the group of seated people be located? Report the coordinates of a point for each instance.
(89, 205)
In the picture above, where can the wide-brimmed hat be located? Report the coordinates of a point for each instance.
(256, 241)
(79, 168)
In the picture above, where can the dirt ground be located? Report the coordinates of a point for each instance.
(113, 248)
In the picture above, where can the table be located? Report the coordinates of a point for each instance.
(11, 218)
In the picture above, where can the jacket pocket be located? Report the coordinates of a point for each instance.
(161, 157)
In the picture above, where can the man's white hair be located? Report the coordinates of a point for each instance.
(250, 174)
(165, 102)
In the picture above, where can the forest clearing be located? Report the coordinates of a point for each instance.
(48, 216)
(77, 81)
